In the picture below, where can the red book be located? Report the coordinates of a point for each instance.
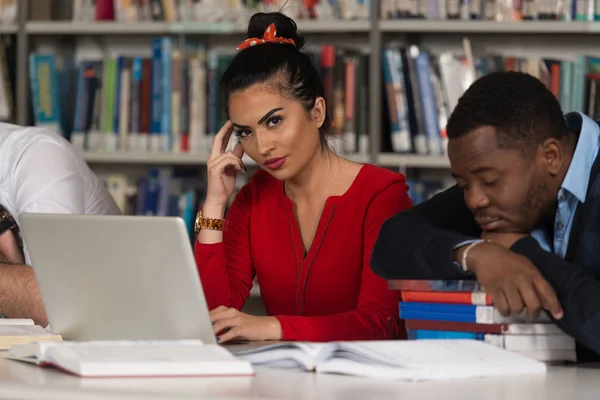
(500, 329)
(105, 10)
(475, 298)
(415, 324)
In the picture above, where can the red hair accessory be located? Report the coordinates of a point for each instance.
(268, 37)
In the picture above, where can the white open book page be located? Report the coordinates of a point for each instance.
(424, 360)
(403, 360)
(290, 355)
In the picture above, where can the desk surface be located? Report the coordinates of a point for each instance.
(24, 381)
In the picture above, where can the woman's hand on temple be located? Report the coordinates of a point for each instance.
(222, 167)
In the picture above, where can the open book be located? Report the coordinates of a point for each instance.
(133, 358)
(400, 360)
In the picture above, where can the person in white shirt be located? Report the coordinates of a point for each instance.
(40, 172)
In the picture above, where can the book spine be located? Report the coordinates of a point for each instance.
(167, 90)
(136, 95)
(145, 105)
(435, 285)
(432, 128)
(213, 93)
(157, 96)
(474, 298)
(416, 324)
(421, 334)
(461, 313)
(43, 87)
(120, 65)
(531, 342)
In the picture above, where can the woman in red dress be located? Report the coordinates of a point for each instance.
(305, 225)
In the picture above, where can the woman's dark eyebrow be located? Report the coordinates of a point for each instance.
(267, 115)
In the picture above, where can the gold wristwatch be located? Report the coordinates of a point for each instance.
(215, 224)
(7, 222)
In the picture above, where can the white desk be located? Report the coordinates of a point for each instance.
(23, 381)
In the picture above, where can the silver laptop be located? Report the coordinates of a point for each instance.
(117, 277)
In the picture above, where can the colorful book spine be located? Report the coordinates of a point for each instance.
(435, 285)
(507, 329)
(157, 96)
(474, 298)
(44, 91)
(167, 90)
(461, 313)
(422, 334)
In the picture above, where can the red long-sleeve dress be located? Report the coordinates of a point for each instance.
(329, 294)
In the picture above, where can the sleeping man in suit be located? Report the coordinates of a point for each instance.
(524, 217)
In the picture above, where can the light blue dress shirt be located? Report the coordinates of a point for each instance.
(573, 189)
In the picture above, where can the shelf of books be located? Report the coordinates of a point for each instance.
(405, 76)
(304, 26)
(461, 26)
(145, 158)
(173, 159)
(412, 161)
(75, 28)
(6, 29)
(95, 28)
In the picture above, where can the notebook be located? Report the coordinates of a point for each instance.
(422, 360)
(133, 358)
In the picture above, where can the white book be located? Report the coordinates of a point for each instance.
(559, 341)
(16, 321)
(550, 356)
(396, 360)
(133, 358)
(11, 335)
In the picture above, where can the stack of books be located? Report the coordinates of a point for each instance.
(462, 310)
(14, 331)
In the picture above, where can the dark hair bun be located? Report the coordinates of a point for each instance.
(286, 27)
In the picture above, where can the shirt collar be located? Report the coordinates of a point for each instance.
(577, 177)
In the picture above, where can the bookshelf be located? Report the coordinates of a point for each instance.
(486, 27)
(10, 29)
(96, 28)
(373, 30)
(383, 159)
(374, 34)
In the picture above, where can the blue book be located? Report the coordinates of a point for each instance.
(460, 313)
(156, 110)
(167, 92)
(420, 334)
(428, 104)
(44, 91)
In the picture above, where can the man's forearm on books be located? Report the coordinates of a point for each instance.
(20, 295)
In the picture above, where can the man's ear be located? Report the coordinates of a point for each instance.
(319, 111)
(553, 155)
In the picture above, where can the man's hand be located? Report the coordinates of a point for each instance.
(511, 280)
(229, 323)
